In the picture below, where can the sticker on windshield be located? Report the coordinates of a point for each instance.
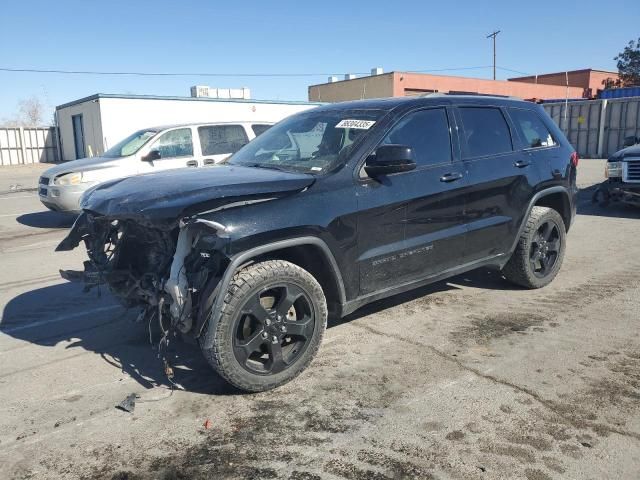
(356, 124)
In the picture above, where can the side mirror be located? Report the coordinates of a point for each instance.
(389, 159)
(151, 156)
(630, 141)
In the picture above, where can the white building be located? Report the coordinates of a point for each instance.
(91, 125)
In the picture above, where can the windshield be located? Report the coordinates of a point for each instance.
(131, 144)
(309, 142)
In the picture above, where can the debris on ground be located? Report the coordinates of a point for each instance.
(129, 403)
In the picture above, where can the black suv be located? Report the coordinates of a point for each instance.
(329, 210)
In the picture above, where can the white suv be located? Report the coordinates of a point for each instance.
(145, 151)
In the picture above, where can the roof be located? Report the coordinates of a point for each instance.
(564, 72)
(392, 102)
(186, 99)
(205, 124)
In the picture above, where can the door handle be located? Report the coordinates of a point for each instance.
(451, 177)
(192, 163)
(209, 161)
(522, 163)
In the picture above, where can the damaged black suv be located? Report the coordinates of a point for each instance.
(329, 210)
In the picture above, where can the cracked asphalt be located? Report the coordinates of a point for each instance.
(466, 379)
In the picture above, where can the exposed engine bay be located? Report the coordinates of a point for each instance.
(169, 271)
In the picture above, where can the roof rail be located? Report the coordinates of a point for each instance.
(470, 94)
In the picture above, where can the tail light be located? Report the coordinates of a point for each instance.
(575, 159)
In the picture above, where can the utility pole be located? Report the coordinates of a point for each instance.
(494, 35)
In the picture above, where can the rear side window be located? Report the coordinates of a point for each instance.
(427, 133)
(175, 143)
(531, 128)
(486, 131)
(222, 139)
(259, 129)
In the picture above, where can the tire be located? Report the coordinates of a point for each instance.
(526, 265)
(254, 313)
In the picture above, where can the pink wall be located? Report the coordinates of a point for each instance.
(445, 84)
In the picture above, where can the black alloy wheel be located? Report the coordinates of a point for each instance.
(545, 247)
(539, 252)
(272, 321)
(274, 328)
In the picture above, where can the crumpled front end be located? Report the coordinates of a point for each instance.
(168, 271)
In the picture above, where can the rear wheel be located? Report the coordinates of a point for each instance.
(540, 250)
(272, 322)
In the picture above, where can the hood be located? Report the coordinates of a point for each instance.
(165, 196)
(632, 151)
(82, 165)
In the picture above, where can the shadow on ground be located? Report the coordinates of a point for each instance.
(63, 313)
(615, 210)
(47, 219)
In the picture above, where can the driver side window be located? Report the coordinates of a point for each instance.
(175, 143)
(427, 133)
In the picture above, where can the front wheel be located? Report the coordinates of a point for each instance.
(272, 322)
(540, 250)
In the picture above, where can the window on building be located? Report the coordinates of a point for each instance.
(260, 129)
(175, 143)
(531, 128)
(222, 139)
(427, 133)
(486, 131)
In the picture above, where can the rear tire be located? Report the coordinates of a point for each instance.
(272, 322)
(540, 250)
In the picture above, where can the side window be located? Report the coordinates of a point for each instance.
(176, 143)
(486, 131)
(531, 128)
(427, 133)
(222, 139)
(259, 129)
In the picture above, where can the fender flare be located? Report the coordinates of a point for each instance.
(243, 257)
(532, 203)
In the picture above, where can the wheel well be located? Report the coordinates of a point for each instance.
(314, 260)
(560, 203)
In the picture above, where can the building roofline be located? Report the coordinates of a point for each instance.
(98, 96)
(563, 71)
(352, 79)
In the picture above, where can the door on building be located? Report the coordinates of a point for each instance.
(78, 135)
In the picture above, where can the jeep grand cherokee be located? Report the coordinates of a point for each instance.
(328, 210)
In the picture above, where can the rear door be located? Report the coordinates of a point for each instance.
(501, 180)
(411, 224)
(217, 142)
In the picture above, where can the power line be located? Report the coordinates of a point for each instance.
(210, 74)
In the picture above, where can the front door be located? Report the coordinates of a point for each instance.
(175, 148)
(410, 224)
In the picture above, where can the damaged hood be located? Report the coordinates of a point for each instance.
(166, 195)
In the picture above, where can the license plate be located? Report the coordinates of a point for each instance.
(43, 192)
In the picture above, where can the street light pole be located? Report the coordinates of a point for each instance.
(494, 35)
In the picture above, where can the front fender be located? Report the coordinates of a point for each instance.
(242, 258)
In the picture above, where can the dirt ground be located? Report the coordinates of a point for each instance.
(465, 379)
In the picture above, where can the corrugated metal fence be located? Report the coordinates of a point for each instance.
(24, 145)
(597, 128)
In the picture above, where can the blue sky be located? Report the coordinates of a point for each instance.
(291, 37)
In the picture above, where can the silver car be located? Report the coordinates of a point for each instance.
(145, 151)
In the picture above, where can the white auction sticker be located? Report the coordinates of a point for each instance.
(357, 124)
